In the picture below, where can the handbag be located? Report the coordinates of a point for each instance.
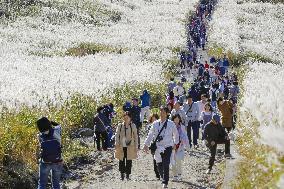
(153, 145)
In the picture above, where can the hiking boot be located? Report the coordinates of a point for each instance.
(165, 186)
(208, 171)
(127, 177)
(158, 178)
(122, 176)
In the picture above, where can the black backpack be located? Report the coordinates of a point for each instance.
(50, 148)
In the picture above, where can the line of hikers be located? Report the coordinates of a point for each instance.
(209, 104)
(177, 128)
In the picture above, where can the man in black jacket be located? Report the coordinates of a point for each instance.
(214, 134)
(135, 112)
(100, 123)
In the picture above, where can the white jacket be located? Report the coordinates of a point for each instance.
(170, 137)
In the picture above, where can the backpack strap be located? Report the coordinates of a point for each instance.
(189, 108)
(164, 126)
(119, 131)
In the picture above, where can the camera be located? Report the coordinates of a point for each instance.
(128, 142)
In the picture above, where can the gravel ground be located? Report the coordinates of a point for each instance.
(103, 172)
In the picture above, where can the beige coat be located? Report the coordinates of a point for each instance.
(132, 148)
(226, 110)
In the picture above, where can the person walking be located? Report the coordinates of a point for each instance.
(226, 109)
(50, 153)
(206, 117)
(135, 113)
(192, 112)
(214, 92)
(179, 151)
(126, 145)
(145, 105)
(100, 121)
(171, 85)
(179, 110)
(154, 118)
(215, 134)
(165, 136)
(171, 99)
(179, 90)
(234, 92)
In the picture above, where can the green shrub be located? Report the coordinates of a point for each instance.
(170, 68)
(93, 48)
(238, 60)
(18, 132)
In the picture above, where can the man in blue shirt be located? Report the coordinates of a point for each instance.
(145, 107)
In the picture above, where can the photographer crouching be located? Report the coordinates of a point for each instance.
(162, 138)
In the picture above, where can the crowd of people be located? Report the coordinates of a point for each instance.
(200, 117)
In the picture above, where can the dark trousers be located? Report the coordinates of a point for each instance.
(195, 130)
(138, 126)
(234, 121)
(156, 168)
(101, 136)
(164, 166)
(214, 148)
(228, 129)
(182, 64)
(125, 165)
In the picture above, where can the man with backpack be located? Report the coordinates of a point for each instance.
(50, 154)
(100, 121)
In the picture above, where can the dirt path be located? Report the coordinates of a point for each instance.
(103, 173)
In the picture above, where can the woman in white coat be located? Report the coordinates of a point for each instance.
(179, 150)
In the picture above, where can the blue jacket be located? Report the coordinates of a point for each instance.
(212, 60)
(222, 71)
(226, 62)
(108, 112)
(145, 99)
